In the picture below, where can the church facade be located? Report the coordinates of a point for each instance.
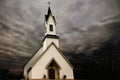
(49, 62)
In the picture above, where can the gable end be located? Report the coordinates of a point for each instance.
(58, 51)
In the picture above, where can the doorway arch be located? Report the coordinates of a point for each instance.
(53, 70)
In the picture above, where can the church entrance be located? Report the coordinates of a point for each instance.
(53, 70)
(51, 74)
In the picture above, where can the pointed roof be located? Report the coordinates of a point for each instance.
(49, 14)
(34, 57)
(49, 11)
(58, 51)
(39, 54)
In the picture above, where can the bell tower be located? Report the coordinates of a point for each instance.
(50, 30)
(50, 23)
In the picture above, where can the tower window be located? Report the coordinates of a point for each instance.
(51, 27)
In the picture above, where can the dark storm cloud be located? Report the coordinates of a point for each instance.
(18, 26)
(91, 38)
(81, 29)
(19, 35)
(86, 12)
(79, 26)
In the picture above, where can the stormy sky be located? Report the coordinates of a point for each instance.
(83, 25)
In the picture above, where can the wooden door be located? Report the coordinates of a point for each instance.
(51, 74)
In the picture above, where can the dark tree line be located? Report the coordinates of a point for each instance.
(5, 74)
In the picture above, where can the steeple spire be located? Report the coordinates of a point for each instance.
(50, 23)
(49, 10)
(50, 30)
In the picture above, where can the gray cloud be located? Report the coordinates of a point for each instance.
(90, 38)
(79, 26)
(19, 35)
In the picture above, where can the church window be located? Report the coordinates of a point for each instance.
(51, 27)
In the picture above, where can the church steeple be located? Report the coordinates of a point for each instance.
(50, 23)
(50, 30)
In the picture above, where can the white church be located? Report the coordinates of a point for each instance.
(49, 62)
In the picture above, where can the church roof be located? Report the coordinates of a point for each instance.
(40, 53)
(59, 52)
(49, 14)
(35, 56)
